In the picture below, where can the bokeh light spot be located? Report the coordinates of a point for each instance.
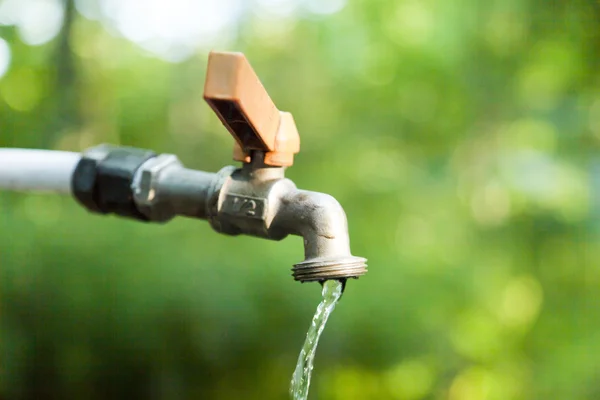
(411, 23)
(276, 8)
(410, 380)
(37, 21)
(529, 133)
(5, 57)
(491, 204)
(472, 384)
(9, 11)
(40, 21)
(172, 30)
(88, 8)
(22, 90)
(544, 181)
(325, 7)
(477, 335)
(521, 302)
(504, 31)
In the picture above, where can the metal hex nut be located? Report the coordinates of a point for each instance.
(146, 186)
(84, 180)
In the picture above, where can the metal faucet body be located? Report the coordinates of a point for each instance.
(255, 200)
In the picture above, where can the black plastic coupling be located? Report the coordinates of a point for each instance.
(102, 181)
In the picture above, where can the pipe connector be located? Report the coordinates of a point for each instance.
(163, 188)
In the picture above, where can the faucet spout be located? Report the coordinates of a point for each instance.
(321, 221)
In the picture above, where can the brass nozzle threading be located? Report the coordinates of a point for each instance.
(322, 270)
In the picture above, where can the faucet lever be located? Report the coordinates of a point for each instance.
(239, 99)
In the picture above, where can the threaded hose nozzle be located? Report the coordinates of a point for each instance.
(321, 269)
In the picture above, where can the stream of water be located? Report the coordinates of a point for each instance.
(332, 291)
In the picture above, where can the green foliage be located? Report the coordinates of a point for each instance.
(461, 138)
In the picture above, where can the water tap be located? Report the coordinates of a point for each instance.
(255, 199)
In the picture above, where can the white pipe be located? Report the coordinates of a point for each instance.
(37, 170)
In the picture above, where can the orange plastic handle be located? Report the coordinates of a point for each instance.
(239, 99)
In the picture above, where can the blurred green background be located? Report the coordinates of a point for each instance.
(461, 136)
